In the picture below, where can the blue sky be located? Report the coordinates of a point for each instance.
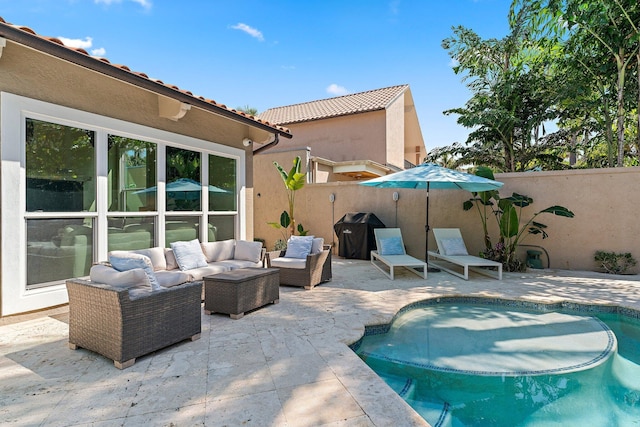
(272, 53)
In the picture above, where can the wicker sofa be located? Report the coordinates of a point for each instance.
(106, 319)
(317, 268)
(124, 314)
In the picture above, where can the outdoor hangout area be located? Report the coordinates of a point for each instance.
(286, 364)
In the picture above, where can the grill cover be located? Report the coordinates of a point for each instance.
(355, 234)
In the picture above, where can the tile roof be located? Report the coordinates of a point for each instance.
(372, 100)
(125, 73)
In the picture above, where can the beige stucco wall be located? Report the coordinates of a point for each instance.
(33, 74)
(353, 137)
(604, 202)
(395, 133)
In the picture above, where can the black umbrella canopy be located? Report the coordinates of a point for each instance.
(432, 176)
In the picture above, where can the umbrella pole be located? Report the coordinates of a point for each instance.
(426, 232)
(426, 242)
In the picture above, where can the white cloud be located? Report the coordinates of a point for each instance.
(85, 44)
(249, 30)
(335, 89)
(99, 51)
(144, 3)
(77, 43)
(453, 63)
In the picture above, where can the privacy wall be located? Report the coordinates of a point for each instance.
(605, 203)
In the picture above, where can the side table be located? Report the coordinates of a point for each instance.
(238, 291)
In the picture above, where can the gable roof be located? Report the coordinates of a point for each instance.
(372, 100)
(54, 47)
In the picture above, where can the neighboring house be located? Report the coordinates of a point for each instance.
(87, 148)
(357, 136)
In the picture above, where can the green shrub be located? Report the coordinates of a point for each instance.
(613, 263)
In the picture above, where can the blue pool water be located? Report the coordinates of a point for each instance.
(479, 364)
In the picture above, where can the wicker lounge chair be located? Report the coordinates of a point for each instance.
(394, 258)
(104, 319)
(452, 250)
(317, 269)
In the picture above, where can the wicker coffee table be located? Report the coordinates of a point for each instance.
(238, 291)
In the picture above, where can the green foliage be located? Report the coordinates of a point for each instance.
(293, 181)
(512, 227)
(572, 62)
(614, 263)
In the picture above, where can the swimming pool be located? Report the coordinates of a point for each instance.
(464, 361)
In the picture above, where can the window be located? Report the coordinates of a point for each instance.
(132, 175)
(60, 178)
(222, 184)
(60, 168)
(58, 249)
(81, 184)
(184, 191)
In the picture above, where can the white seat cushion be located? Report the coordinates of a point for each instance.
(282, 262)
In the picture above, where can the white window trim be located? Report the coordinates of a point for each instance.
(14, 110)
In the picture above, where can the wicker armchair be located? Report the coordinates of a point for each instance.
(317, 269)
(105, 320)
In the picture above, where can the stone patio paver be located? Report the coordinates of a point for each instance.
(281, 365)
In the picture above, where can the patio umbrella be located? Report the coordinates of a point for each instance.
(431, 176)
(183, 189)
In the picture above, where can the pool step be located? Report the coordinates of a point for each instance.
(436, 413)
(405, 387)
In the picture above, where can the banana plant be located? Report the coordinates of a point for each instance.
(293, 181)
(508, 212)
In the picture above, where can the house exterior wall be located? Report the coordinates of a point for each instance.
(604, 202)
(352, 137)
(37, 76)
(395, 145)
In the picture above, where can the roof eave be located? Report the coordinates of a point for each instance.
(35, 42)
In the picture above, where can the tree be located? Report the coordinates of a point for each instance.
(597, 34)
(512, 98)
(248, 110)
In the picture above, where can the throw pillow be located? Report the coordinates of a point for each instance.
(453, 246)
(391, 246)
(248, 251)
(172, 264)
(317, 245)
(124, 261)
(219, 251)
(299, 246)
(189, 254)
(156, 255)
(121, 279)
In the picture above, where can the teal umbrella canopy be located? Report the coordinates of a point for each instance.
(430, 176)
(184, 189)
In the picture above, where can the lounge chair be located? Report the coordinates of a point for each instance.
(451, 248)
(391, 252)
